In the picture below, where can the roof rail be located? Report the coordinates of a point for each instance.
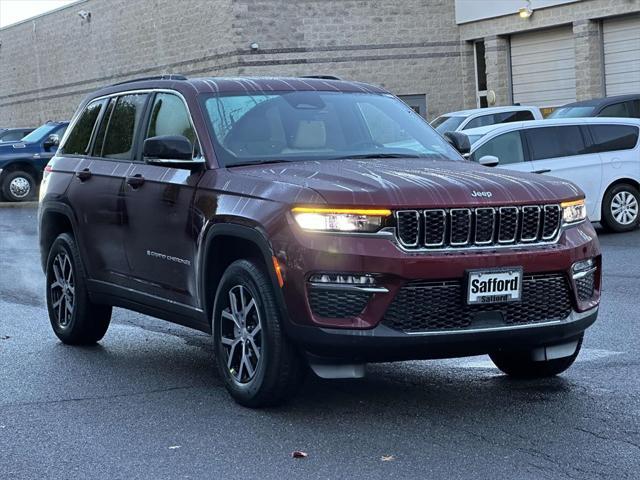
(322, 77)
(157, 77)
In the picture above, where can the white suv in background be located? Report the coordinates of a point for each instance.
(600, 155)
(480, 117)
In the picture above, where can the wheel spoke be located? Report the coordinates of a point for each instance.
(229, 316)
(254, 347)
(56, 272)
(248, 366)
(249, 307)
(232, 352)
(257, 329)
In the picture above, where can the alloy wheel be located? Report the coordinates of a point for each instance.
(20, 187)
(624, 208)
(62, 289)
(241, 334)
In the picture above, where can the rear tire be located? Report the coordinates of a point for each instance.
(521, 365)
(257, 362)
(18, 186)
(75, 319)
(621, 208)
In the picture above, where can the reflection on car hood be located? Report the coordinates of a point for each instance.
(400, 183)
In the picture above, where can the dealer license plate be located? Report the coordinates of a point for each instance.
(494, 286)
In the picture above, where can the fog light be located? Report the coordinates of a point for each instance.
(583, 267)
(343, 279)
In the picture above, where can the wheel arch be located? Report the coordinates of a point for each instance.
(618, 181)
(224, 244)
(54, 219)
(22, 165)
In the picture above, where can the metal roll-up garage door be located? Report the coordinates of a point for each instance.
(621, 39)
(543, 67)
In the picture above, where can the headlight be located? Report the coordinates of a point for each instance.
(573, 212)
(340, 219)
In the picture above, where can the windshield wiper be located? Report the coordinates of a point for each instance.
(379, 155)
(258, 162)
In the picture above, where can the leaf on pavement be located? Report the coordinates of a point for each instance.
(299, 454)
(387, 458)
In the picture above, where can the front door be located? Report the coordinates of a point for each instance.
(160, 239)
(561, 151)
(508, 148)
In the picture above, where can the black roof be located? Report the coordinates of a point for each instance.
(603, 102)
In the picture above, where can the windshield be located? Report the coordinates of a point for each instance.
(311, 125)
(39, 133)
(447, 124)
(571, 112)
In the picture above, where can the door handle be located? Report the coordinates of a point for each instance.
(83, 174)
(542, 171)
(135, 181)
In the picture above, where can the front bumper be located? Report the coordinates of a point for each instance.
(305, 254)
(382, 344)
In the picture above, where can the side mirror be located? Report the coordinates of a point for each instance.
(459, 141)
(489, 161)
(169, 151)
(52, 140)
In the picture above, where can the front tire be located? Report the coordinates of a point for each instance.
(18, 186)
(621, 208)
(521, 365)
(258, 364)
(75, 319)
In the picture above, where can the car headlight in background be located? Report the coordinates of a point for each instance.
(573, 212)
(325, 219)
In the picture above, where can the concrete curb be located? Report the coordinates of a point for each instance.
(18, 204)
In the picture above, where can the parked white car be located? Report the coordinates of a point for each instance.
(600, 155)
(481, 117)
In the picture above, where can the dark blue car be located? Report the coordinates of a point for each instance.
(22, 163)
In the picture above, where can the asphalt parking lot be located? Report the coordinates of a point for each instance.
(146, 402)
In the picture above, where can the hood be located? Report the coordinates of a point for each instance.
(415, 183)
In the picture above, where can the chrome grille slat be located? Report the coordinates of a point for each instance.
(433, 229)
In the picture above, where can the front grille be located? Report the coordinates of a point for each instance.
(429, 306)
(485, 226)
(336, 304)
(586, 286)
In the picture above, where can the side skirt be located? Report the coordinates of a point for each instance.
(117, 296)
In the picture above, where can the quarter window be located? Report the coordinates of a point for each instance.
(77, 142)
(169, 116)
(622, 109)
(609, 138)
(124, 122)
(554, 142)
(507, 147)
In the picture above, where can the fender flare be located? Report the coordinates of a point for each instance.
(60, 208)
(253, 234)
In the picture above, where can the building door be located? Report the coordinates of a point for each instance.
(621, 38)
(543, 67)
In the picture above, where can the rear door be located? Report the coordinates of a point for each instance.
(562, 151)
(160, 239)
(97, 189)
(510, 149)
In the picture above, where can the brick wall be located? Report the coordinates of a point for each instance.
(409, 47)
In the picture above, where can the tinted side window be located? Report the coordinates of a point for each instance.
(102, 128)
(77, 142)
(519, 116)
(507, 147)
(480, 121)
(617, 110)
(124, 122)
(609, 138)
(14, 135)
(636, 107)
(169, 116)
(552, 142)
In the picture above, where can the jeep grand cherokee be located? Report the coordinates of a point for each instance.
(308, 222)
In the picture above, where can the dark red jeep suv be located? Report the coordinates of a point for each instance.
(308, 223)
